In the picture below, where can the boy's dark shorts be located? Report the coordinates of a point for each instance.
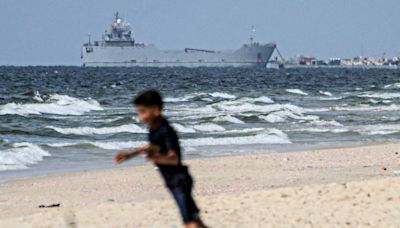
(180, 184)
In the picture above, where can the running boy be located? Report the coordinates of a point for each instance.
(164, 151)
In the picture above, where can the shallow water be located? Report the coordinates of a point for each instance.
(71, 118)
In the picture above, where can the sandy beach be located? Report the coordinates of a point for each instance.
(352, 187)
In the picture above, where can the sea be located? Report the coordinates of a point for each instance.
(65, 119)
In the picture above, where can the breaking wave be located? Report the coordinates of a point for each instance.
(392, 86)
(183, 129)
(269, 136)
(21, 155)
(326, 93)
(208, 127)
(228, 118)
(297, 91)
(381, 95)
(222, 95)
(378, 129)
(55, 104)
(129, 128)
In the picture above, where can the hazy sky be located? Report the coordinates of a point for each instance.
(48, 32)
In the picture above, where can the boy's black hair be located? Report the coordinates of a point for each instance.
(149, 98)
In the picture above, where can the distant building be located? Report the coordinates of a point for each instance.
(303, 60)
(335, 61)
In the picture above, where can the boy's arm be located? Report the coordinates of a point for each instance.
(171, 158)
(123, 156)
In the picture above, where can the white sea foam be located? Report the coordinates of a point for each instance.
(21, 155)
(241, 131)
(322, 130)
(272, 136)
(381, 95)
(358, 108)
(378, 129)
(268, 136)
(207, 99)
(262, 99)
(296, 91)
(183, 129)
(273, 118)
(283, 115)
(118, 145)
(184, 98)
(330, 98)
(326, 123)
(37, 97)
(208, 127)
(107, 145)
(228, 118)
(56, 104)
(248, 107)
(392, 86)
(129, 128)
(203, 96)
(222, 95)
(326, 93)
(392, 107)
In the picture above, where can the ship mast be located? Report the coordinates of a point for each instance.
(89, 37)
(252, 34)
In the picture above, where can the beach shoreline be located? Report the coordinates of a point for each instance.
(221, 184)
(40, 170)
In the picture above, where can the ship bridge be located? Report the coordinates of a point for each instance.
(119, 34)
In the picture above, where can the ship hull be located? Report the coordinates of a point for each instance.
(251, 55)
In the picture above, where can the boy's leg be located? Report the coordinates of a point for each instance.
(186, 204)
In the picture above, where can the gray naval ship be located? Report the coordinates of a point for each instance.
(119, 49)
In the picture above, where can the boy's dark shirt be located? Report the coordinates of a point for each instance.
(166, 138)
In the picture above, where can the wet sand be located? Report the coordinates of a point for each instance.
(355, 186)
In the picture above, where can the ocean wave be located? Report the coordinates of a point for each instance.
(249, 107)
(37, 97)
(208, 127)
(326, 123)
(321, 130)
(381, 95)
(378, 129)
(228, 118)
(241, 131)
(283, 115)
(262, 99)
(56, 104)
(128, 128)
(208, 97)
(199, 96)
(358, 108)
(268, 136)
(392, 107)
(107, 145)
(183, 129)
(185, 97)
(21, 155)
(273, 118)
(297, 91)
(330, 98)
(326, 93)
(271, 136)
(392, 86)
(222, 95)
